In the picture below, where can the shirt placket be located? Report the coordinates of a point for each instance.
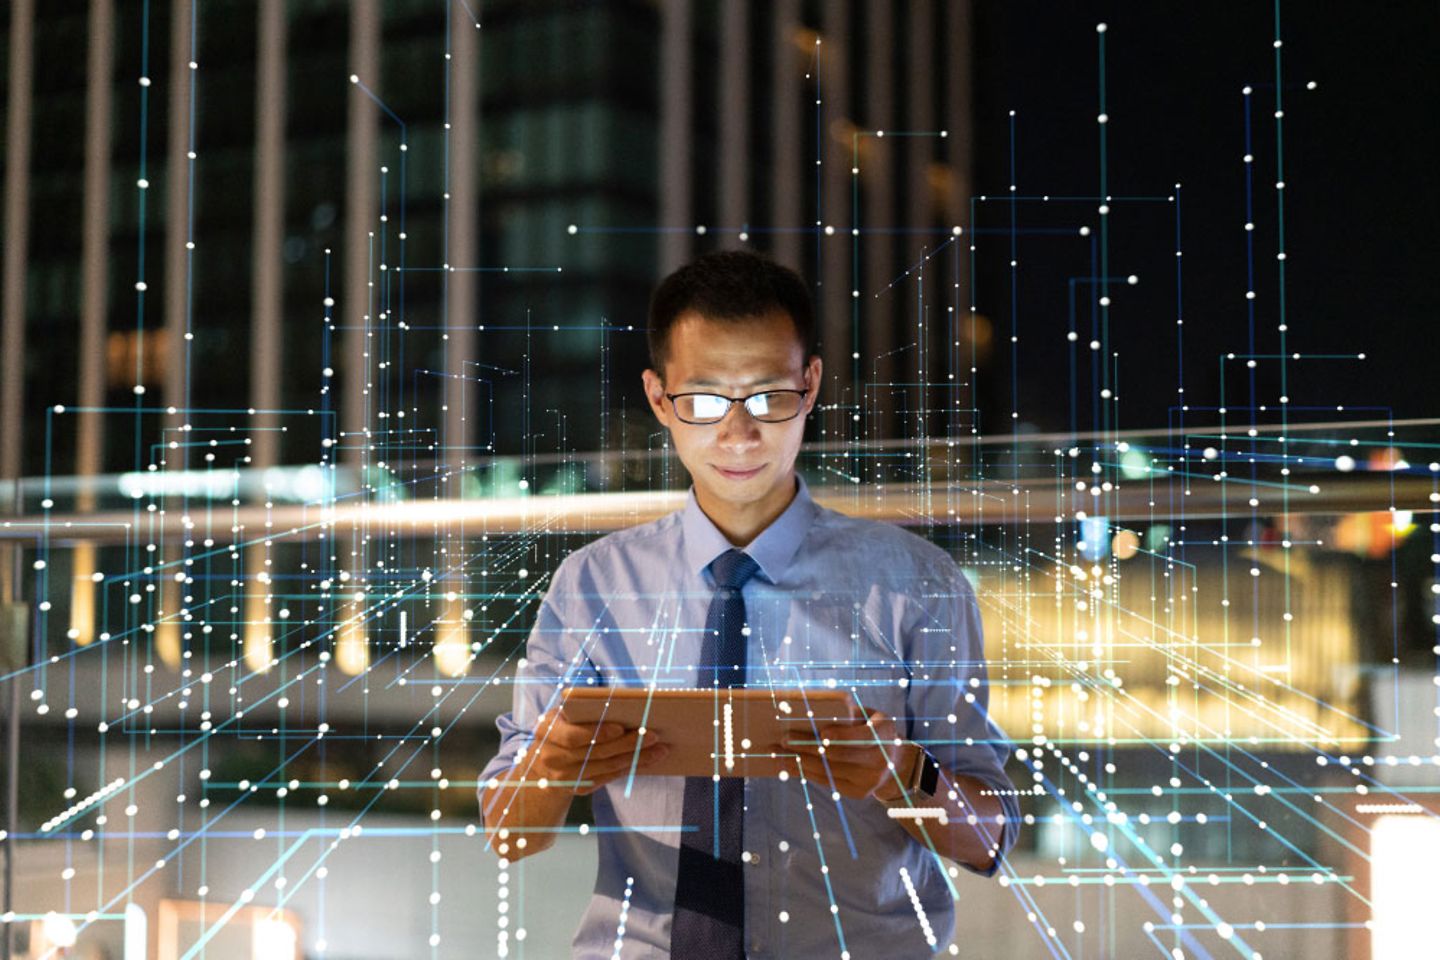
(759, 873)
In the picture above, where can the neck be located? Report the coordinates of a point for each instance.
(743, 522)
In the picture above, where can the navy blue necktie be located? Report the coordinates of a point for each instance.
(709, 921)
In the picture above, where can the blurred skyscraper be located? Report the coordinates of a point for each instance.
(187, 182)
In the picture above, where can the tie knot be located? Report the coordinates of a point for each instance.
(732, 569)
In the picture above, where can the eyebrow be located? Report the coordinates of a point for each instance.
(715, 384)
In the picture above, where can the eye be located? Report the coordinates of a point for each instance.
(709, 406)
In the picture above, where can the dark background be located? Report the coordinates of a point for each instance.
(1359, 211)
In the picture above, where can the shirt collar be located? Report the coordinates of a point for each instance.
(773, 549)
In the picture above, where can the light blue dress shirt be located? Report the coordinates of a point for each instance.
(855, 604)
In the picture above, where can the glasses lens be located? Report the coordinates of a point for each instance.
(702, 407)
(774, 407)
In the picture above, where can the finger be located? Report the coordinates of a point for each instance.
(568, 761)
(653, 754)
(859, 750)
(852, 746)
(838, 779)
(819, 769)
(604, 766)
(555, 716)
(866, 758)
(623, 745)
(878, 727)
(804, 751)
(566, 734)
(806, 738)
(857, 766)
(606, 731)
(598, 774)
(840, 772)
(872, 756)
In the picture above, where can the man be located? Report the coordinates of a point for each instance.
(754, 582)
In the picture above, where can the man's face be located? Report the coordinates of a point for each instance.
(738, 463)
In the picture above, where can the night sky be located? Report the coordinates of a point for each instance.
(1360, 209)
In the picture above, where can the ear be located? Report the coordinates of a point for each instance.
(813, 371)
(655, 396)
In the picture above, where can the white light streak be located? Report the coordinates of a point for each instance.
(919, 910)
(729, 737)
(77, 808)
(919, 813)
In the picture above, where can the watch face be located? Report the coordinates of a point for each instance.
(929, 774)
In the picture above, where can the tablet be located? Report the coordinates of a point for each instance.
(733, 732)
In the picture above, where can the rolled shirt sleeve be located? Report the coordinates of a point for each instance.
(553, 658)
(955, 683)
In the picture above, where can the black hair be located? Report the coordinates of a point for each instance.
(729, 285)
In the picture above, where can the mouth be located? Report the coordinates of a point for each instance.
(738, 473)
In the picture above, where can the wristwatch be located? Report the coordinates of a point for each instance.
(920, 777)
(924, 774)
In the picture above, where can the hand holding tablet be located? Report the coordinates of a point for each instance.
(733, 731)
(591, 754)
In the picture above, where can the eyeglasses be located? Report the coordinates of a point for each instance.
(770, 406)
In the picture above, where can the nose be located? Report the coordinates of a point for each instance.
(738, 430)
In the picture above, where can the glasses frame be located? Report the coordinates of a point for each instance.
(731, 401)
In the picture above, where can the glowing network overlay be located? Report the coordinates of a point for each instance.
(302, 660)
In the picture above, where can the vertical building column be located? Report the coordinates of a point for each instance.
(361, 173)
(787, 184)
(461, 241)
(266, 304)
(177, 223)
(959, 146)
(352, 651)
(94, 303)
(267, 287)
(836, 208)
(174, 351)
(734, 80)
(12, 390)
(676, 135)
(878, 314)
(959, 111)
(452, 648)
(920, 211)
(17, 242)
